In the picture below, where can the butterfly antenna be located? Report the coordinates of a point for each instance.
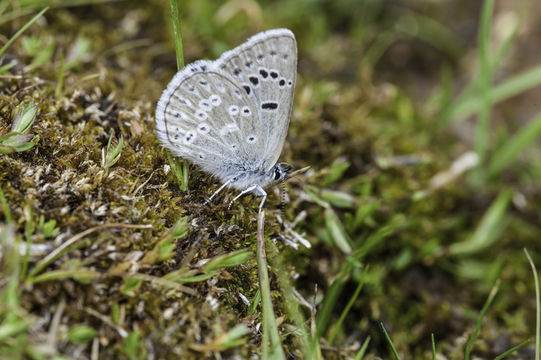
(283, 203)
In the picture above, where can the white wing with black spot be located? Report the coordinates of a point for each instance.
(265, 66)
(232, 115)
(205, 117)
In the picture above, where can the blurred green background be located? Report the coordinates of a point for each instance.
(420, 121)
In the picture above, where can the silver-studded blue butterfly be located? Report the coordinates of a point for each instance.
(230, 116)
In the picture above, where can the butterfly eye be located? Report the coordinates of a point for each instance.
(277, 174)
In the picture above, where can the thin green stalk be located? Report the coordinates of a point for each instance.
(393, 349)
(175, 20)
(26, 258)
(333, 292)
(537, 306)
(271, 337)
(473, 337)
(507, 154)
(5, 207)
(22, 30)
(3, 6)
(469, 104)
(512, 350)
(310, 344)
(185, 174)
(348, 307)
(485, 83)
(361, 352)
(433, 346)
(15, 14)
(60, 82)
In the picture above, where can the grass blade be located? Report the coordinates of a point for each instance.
(180, 170)
(271, 344)
(430, 31)
(393, 349)
(515, 85)
(473, 336)
(21, 31)
(330, 299)
(361, 352)
(348, 307)
(234, 258)
(512, 350)
(537, 307)
(60, 82)
(175, 20)
(489, 229)
(337, 232)
(310, 344)
(485, 87)
(5, 207)
(510, 150)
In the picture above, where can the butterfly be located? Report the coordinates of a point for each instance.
(231, 116)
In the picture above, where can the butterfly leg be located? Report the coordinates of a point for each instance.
(262, 200)
(217, 191)
(256, 189)
(243, 192)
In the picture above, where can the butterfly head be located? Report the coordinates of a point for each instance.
(280, 172)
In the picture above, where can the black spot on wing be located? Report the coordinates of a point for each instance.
(269, 105)
(254, 80)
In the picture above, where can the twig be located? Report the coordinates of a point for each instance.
(107, 320)
(55, 323)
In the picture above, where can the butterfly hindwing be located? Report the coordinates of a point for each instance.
(204, 117)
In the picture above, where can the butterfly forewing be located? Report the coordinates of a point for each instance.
(204, 117)
(265, 67)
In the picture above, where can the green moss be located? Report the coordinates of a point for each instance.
(372, 146)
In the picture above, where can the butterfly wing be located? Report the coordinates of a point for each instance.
(265, 66)
(205, 117)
